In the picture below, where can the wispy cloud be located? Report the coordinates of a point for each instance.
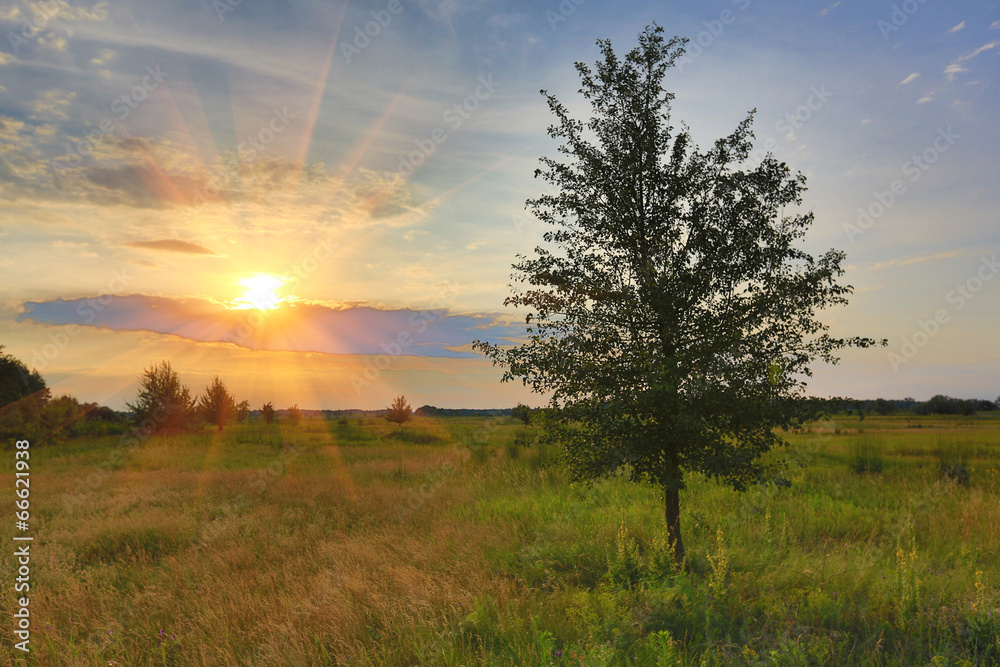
(953, 30)
(981, 49)
(927, 97)
(915, 260)
(909, 79)
(172, 245)
(826, 10)
(955, 68)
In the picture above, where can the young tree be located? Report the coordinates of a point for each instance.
(242, 411)
(294, 414)
(162, 402)
(399, 412)
(672, 317)
(267, 411)
(217, 405)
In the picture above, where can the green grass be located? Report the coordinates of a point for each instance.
(460, 541)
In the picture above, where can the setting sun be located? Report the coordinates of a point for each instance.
(260, 293)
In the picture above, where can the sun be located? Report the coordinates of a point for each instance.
(260, 293)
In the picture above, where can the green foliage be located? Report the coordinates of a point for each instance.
(624, 566)
(673, 317)
(267, 412)
(884, 407)
(946, 405)
(399, 412)
(163, 402)
(18, 382)
(242, 411)
(522, 412)
(294, 414)
(217, 405)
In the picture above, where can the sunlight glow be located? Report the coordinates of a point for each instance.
(260, 293)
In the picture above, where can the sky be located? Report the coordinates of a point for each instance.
(320, 202)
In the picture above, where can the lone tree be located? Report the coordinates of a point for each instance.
(267, 411)
(217, 405)
(399, 412)
(672, 317)
(162, 402)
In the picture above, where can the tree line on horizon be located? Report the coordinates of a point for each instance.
(28, 410)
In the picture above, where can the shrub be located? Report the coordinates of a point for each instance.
(399, 412)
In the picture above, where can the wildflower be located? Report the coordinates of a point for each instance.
(558, 653)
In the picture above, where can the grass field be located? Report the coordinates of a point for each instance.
(453, 541)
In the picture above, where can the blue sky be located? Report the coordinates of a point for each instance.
(153, 156)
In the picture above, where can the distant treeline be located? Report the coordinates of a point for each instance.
(938, 405)
(28, 410)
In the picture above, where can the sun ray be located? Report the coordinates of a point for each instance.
(317, 101)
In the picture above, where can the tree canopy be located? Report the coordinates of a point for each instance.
(399, 412)
(217, 405)
(162, 402)
(17, 381)
(672, 315)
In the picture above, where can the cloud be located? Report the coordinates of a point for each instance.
(172, 245)
(52, 104)
(295, 327)
(916, 260)
(995, 25)
(960, 26)
(926, 98)
(6, 58)
(954, 68)
(266, 193)
(826, 10)
(103, 57)
(908, 79)
(69, 12)
(981, 49)
(54, 41)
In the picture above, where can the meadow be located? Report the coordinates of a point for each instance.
(459, 541)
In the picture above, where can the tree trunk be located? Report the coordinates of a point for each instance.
(673, 507)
